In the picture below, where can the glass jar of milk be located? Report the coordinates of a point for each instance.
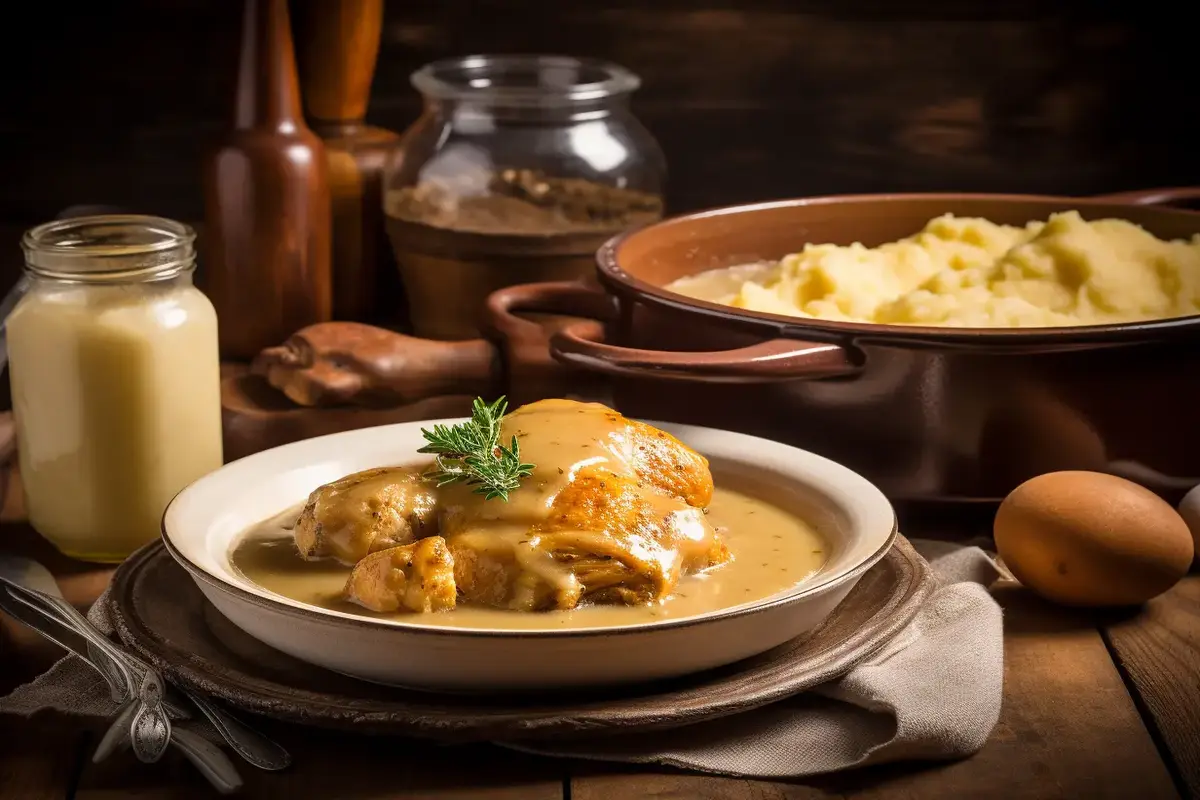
(115, 380)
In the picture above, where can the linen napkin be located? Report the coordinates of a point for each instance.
(932, 692)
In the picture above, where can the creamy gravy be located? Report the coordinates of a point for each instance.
(772, 548)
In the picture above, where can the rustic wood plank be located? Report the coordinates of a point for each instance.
(40, 758)
(1068, 729)
(347, 767)
(670, 786)
(1159, 652)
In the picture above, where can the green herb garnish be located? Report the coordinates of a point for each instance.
(471, 453)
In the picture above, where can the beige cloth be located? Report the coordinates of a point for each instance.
(932, 693)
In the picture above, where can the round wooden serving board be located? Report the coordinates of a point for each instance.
(160, 613)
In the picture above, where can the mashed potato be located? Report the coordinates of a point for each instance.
(961, 272)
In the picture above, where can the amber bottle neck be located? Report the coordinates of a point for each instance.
(268, 93)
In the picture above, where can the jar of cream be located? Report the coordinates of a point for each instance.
(115, 377)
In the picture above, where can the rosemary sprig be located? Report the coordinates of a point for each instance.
(471, 453)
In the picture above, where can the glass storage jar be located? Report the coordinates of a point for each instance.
(518, 170)
(115, 377)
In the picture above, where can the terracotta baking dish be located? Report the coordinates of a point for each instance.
(925, 413)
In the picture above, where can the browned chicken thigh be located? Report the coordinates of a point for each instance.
(366, 512)
(613, 512)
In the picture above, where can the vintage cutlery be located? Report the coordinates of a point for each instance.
(150, 729)
(34, 581)
(207, 758)
(118, 731)
(255, 747)
(52, 627)
(204, 755)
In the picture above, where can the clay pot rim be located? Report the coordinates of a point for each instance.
(620, 281)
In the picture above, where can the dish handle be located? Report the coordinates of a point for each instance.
(581, 343)
(1154, 197)
(335, 365)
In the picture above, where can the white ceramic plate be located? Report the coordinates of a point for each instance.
(203, 523)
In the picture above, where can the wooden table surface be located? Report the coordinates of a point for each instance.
(1094, 707)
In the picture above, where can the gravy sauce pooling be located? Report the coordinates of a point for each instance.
(773, 550)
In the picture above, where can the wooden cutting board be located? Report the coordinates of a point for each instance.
(257, 417)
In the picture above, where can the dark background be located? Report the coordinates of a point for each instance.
(115, 102)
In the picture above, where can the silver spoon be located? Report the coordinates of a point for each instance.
(204, 755)
(150, 731)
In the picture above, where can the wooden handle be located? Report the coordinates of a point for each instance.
(337, 45)
(352, 364)
(348, 363)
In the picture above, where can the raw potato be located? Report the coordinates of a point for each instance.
(1091, 539)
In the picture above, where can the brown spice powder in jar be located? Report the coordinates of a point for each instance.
(456, 241)
(523, 201)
